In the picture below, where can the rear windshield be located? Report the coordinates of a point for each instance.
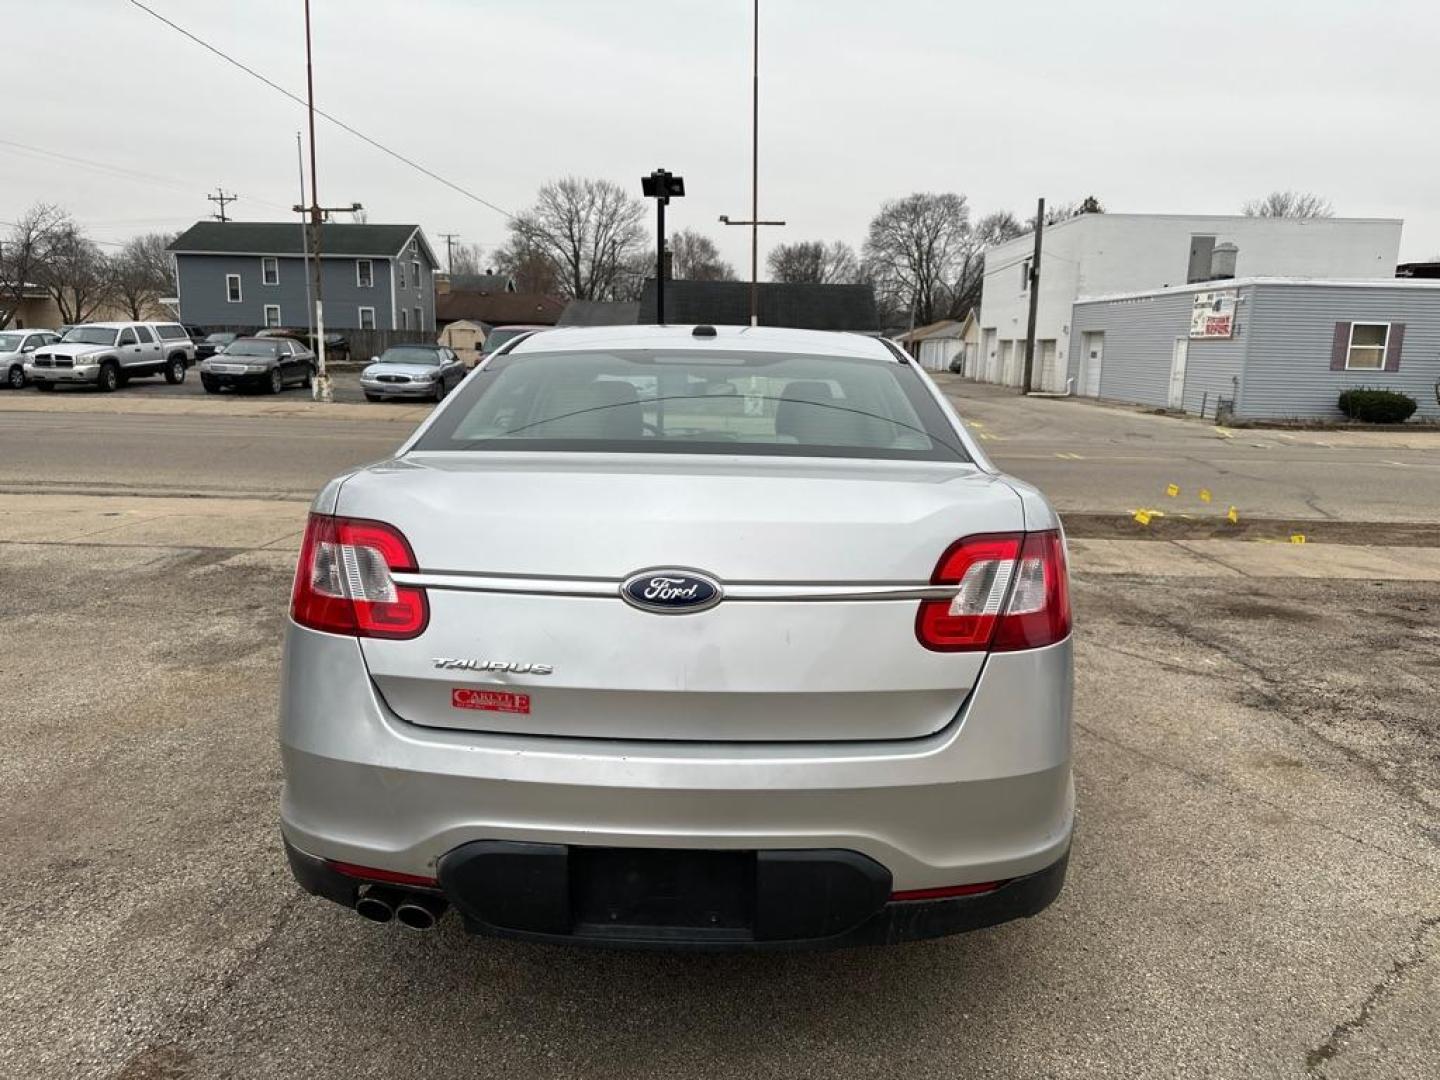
(688, 403)
(496, 338)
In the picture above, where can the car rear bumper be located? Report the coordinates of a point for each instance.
(988, 798)
(795, 899)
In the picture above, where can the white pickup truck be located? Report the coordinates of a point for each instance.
(110, 354)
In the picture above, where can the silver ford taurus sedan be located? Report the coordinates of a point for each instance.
(704, 637)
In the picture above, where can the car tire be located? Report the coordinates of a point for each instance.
(109, 378)
(439, 390)
(15, 377)
(309, 380)
(175, 370)
(372, 397)
(210, 385)
(277, 380)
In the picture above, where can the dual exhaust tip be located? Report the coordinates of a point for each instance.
(419, 911)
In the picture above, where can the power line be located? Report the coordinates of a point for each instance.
(321, 112)
(116, 170)
(221, 199)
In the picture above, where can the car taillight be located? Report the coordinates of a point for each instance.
(1012, 593)
(344, 582)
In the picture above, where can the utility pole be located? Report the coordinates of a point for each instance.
(322, 390)
(222, 200)
(450, 238)
(754, 221)
(1034, 296)
(304, 241)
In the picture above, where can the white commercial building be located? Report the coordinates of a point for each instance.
(1107, 254)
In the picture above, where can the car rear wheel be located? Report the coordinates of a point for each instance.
(175, 370)
(109, 379)
(15, 377)
(277, 381)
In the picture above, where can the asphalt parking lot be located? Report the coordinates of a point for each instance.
(1253, 892)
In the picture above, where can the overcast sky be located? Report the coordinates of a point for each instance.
(1151, 105)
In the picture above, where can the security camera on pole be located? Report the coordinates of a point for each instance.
(662, 186)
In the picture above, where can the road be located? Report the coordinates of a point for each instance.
(1252, 893)
(1106, 459)
(1085, 457)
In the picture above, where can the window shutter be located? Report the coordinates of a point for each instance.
(1393, 347)
(1341, 347)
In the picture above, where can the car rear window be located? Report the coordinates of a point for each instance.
(171, 333)
(686, 403)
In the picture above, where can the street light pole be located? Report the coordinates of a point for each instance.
(754, 221)
(321, 390)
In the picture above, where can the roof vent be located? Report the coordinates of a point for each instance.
(703, 331)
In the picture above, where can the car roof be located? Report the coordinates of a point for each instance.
(415, 345)
(768, 339)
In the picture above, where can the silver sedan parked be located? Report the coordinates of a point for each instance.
(412, 371)
(683, 637)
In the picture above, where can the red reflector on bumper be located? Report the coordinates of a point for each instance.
(389, 877)
(946, 892)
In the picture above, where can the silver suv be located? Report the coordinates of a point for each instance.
(109, 354)
(683, 637)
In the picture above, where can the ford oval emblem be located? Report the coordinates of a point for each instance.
(669, 591)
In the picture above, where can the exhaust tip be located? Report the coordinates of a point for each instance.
(377, 905)
(420, 912)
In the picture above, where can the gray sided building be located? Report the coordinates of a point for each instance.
(1277, 348)
(253, 274)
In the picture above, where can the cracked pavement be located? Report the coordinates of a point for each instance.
(1254, 891)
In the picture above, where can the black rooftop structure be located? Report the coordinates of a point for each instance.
(288, 238)
(801, 307)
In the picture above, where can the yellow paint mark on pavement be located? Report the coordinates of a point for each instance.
(1172, 490)
(1225, 433)
(1297, 538)
(1142, 516)
(1234, 516)
(1205, 495)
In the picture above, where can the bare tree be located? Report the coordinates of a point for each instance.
(75, 272)
(531, 267)
(142, 272)
(586, 229)
(814, 262)
(467, 259)
(916, 246)
(1290, 204)
(994, 228)
(694, 257)
(22, 255)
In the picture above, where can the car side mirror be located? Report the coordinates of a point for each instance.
(374, 359)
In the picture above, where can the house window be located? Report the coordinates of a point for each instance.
(272, 314)
(400, 275)
(269, 271)
(1368, 342)
(415, 272)
(419, 319)
(364, 274)
(367, 318)
(404, 318)
(232, 288)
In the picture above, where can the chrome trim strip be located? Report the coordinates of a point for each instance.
(611, 589)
